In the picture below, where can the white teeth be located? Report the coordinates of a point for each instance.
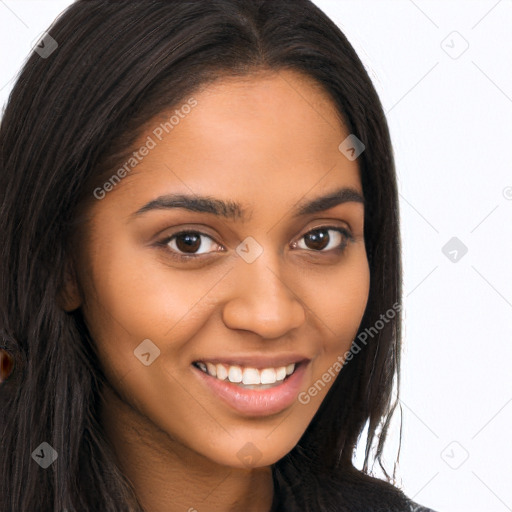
(281, 373)
(235, 374)
(212, 369)
(250, 377)
(268, 376)
(222, 373)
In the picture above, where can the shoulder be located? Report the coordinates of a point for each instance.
(361, 492)
(340, 491)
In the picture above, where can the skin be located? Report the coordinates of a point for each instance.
(267, 141)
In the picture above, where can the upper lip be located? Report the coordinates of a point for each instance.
(255, 361)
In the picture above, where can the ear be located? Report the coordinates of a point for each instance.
(6, 365)
(69, 297)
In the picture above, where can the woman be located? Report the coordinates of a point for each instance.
(201, 277)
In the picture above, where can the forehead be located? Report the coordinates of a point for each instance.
(279, 110)
(267, 137)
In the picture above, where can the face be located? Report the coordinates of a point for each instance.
(269, 287)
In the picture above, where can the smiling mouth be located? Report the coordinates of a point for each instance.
(247, 377)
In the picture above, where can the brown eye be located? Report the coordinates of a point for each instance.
(324, 239)
(189, 242)
(187, 245)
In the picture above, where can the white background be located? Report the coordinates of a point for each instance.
(450, 115)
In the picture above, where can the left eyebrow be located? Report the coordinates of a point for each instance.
(320, 204)
(236, 211)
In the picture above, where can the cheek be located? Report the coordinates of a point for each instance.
(131, 297)
(141, 290)
(341, 301)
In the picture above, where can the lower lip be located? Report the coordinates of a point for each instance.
(255, 402)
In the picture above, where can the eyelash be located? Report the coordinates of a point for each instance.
(188, 257)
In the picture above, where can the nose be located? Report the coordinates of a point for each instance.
(262, 302)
